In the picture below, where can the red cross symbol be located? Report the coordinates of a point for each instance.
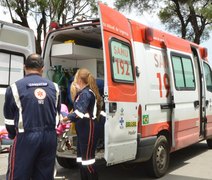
(40, 94)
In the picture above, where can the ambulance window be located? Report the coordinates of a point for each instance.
(121, 61)
(208, 76)
(183, 73)
(11, 68)
(188, 72)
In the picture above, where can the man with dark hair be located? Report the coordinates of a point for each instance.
(31, 108)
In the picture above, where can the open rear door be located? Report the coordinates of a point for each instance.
(120, 87)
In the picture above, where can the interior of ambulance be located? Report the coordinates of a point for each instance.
(67, 50)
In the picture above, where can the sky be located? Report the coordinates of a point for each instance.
(147, 19)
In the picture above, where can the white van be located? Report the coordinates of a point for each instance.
(157, 87)
(16, 43)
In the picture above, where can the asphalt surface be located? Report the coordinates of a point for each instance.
(192, 163)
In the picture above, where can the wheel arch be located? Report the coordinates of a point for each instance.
(167, 134)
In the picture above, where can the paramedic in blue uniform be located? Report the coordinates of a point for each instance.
(86, 109)
(31, 108)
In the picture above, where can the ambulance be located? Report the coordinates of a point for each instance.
(16, 43)
(157, 87)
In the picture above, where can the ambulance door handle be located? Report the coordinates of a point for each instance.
(167, 106)
(137, 72)
(113, 59)
(196, 104)
(112, 107)
(206, 103)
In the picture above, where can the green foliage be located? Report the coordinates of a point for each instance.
(41, 4)
(190, 18)
(45, 11)
(207, 11)
(140, 5)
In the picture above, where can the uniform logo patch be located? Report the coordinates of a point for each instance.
(40, 94)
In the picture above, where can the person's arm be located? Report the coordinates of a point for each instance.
(58, 104)
(9, 113)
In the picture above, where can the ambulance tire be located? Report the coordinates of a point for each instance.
(158, 164)
(68, 163)
(209, 143)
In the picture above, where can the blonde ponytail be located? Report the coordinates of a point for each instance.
(89, 80)
(95, 89)
(73, 89)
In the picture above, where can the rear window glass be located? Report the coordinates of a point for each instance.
(121, 61)
(11, 68)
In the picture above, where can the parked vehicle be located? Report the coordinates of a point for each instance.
(157, 87)
(16, 43)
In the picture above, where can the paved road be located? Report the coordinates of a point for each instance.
(192, 163)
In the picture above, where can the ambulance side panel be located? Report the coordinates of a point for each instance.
(152, 63)
(152, 93)
(169, 107)
(16, 43)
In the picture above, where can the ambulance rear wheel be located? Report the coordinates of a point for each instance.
(209, 142)
(159, 162)
(67, 162)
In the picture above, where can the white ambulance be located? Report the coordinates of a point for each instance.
(157, 87)
(16, 43)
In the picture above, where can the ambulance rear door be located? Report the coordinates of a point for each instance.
(208, 100)
(120, 87)
(16, 43)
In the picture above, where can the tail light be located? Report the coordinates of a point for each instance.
(139, 118)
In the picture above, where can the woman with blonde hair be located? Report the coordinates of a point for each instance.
(85, 112)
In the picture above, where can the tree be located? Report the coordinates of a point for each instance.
(42, 12)
(190, 18)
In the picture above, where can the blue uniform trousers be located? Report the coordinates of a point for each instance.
(87, 135)
(32, 156)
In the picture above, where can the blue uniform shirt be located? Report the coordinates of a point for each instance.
(31, 104)
(84, 105)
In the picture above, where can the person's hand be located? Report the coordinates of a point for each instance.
(65, 119)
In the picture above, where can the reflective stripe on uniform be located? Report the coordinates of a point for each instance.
(95, 105)
(79, 159)
(56, 102)
(81, 115)
(103, 113)
(88, 162)
(9, 121)
(95, 110)
(18, 104)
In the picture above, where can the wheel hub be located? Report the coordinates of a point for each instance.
(161, 157)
